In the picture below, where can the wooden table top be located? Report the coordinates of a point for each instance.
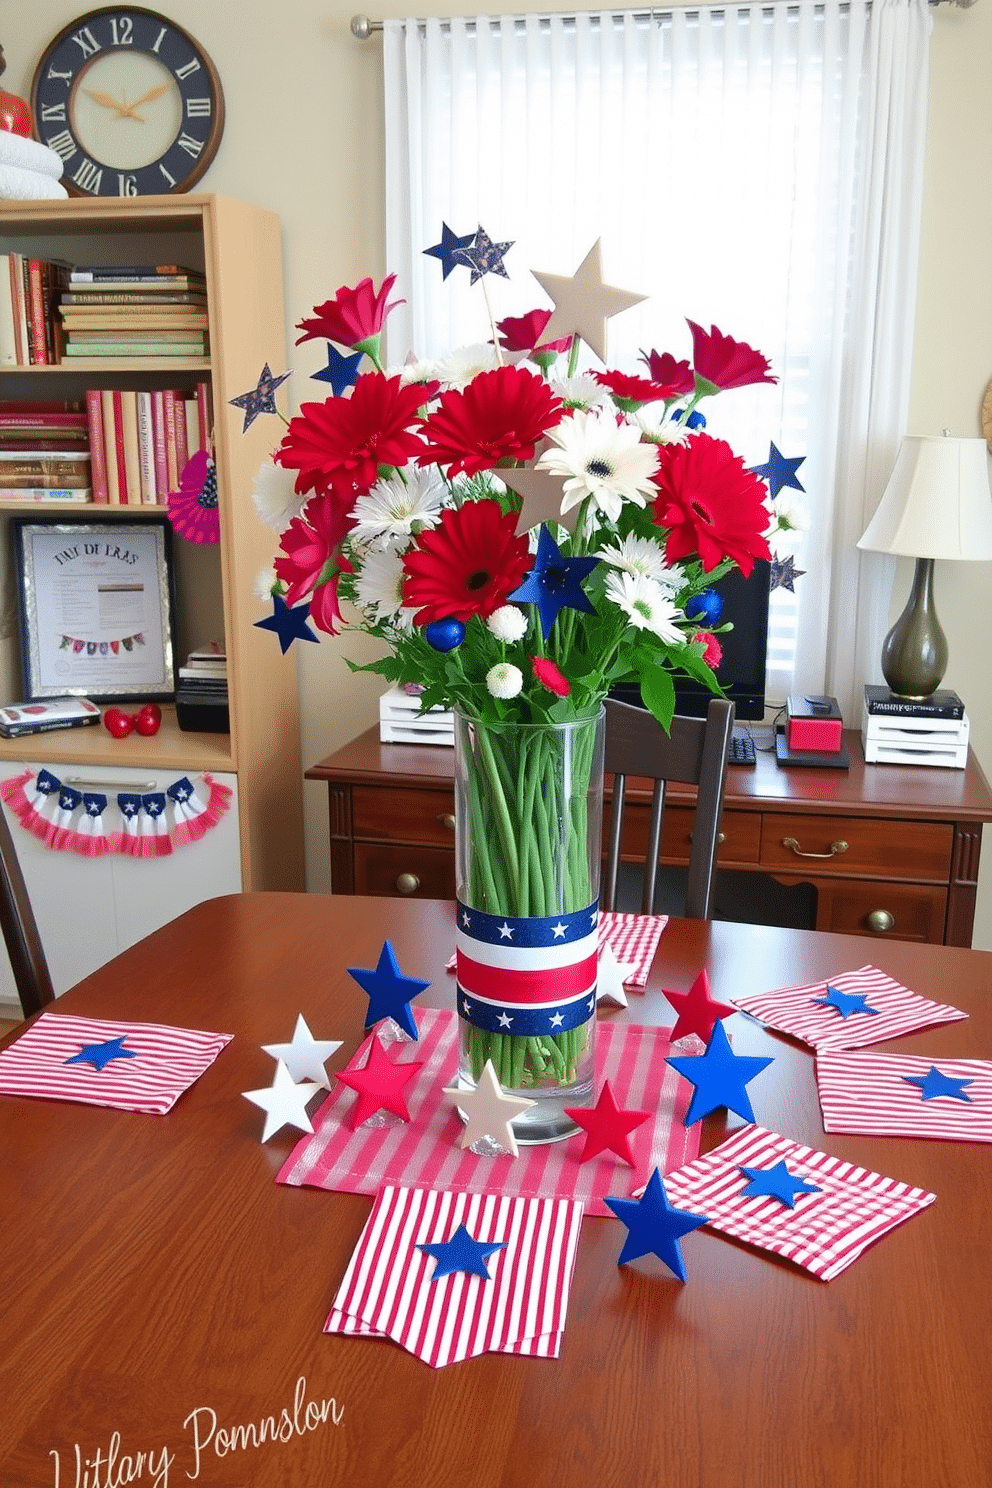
(160, 1285)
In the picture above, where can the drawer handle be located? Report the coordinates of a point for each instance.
(408, 883)
(835, 848)
(880, 920)
(720, 838)
(447, 820)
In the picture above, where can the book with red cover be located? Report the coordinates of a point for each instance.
(182, 435)
(206, 421)
(36, 292)
(115, 449)
(98, 449)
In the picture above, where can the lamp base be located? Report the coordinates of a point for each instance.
(914, 655)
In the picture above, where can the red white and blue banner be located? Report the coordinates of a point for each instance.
(528, 977)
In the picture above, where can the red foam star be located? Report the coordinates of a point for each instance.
(379, 1082)
(697, 1011)
(607, 1127)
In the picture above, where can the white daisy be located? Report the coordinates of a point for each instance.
(508, 623)
(504, 680)
(637, 555)
(458, 369)
(602, 459)
(379, 588)
(396, 508)
(789, 520)
(580, 391)
(658, 426)
(646, 605)
(275, 500)
(414, 369)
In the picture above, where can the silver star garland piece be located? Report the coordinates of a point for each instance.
(583, 303)
(284, 1102)
(488, 1110)
(304, 1057)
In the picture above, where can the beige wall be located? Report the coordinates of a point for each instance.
(304, 137)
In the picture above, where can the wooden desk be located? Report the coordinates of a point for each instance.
(909, 869)
(155, 1269)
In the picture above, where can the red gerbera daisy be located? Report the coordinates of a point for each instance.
(675, 377)
(523, 333)
(499, 416)
(724, 362)
(337, 446)
(468, 565)
(353, 317)
(310, 560)
(550, 677)
(710, 504)
(628, 390)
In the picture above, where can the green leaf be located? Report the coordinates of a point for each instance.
(658, 694)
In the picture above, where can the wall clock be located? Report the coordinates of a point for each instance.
(131, 103)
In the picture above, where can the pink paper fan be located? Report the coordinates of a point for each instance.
(193, 508)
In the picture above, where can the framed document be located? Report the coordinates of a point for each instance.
(96, 608)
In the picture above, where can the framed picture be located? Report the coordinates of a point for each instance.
(96, 608)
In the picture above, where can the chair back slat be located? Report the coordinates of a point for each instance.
(20, 930)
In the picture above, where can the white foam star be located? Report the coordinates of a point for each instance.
(488, 1110)
(304, 1056)
(611, 977)
(284, 1102)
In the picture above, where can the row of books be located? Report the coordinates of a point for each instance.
(30, 332)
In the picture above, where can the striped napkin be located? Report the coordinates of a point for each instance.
(424, 1150)
(825, 1231)
(147, 1068)
(388, 1291)
(633, 938)
(883, 1095)
(897, 1010)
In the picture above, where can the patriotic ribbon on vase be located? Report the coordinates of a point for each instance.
(148, 824)
(530, 977)
(76, 646)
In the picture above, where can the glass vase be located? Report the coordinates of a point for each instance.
(528, 824)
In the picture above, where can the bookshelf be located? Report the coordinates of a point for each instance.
(238, 248)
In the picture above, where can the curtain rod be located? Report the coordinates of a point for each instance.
(363, 28)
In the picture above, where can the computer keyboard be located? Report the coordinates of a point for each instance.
(741, 748)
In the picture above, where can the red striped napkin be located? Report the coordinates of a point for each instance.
(870, 1093)
(796, 1010)
(166, 1062)
(633, 939)
(424, 1151)
(387, 1291)
(825, 1231)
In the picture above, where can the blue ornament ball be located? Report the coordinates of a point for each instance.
(444, 635)
(706, 606)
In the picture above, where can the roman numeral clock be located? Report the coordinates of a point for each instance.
(131, 103)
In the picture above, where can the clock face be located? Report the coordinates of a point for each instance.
(131, 103)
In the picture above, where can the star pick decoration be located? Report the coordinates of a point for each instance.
(290, 622)
(720, 1077)
(784, 573)
(379, 1083)
(654, 1227)
(542, 495)
(448, 249)
(777, 1183)
(846, 1003)
(483, 256)
(611, 975)
(583, 303)
(389, 991)
(461, 1253)
(555, 583)
(488, 1110)
(698, 1011)
(304, 1057)
(779, 471)
(341, 370)
(260, 398)
(933, 1085)
(284, 1102)
(100, 1055)
(607, 1126)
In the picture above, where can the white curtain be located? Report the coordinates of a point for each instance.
(754, 167)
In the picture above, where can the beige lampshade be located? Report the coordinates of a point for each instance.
(938, 502)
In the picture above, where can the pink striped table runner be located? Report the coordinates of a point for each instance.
(795, 1010)
(825, 1232)
(633, 938)
(869, 1093)
(424, 1151)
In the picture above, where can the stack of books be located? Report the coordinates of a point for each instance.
(904, 731)
(140, 440)
(402, 722)
(17, 719)
(201, 692)
(44, 452)
(158, 310)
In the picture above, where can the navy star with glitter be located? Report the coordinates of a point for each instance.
(784, 573)
(100, 1055)
(484, 256)
(261, 398)
(449, 249)
(555, 583)
(389, 991)
(846, 1003)
(776, 1182)
(341, 370)
(289, 622)
(779, 471)
(654, 1227)
(461, 1253)
(934, 1084)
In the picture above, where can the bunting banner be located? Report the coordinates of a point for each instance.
(137, 824)
(77, 647)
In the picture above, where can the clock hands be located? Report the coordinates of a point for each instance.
(127, 110)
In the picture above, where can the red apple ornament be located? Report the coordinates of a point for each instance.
(148, 719)
(117, 723)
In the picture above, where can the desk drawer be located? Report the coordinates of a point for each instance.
(884, 911)
(918, 851)
(403, 815)
(740, 834)
(409, 872)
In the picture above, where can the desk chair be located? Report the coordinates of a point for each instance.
(20, 930)
(695, 753)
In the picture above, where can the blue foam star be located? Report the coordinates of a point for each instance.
(341, 370)
(555, 583)
(100, 1055)
(933, 1084)
(261, 398)
(779, 471)
(784, 573)
(778, 1183)
(289, 622)
(483, 256)
(462, 1253)
(448, 250)
(846, 1003)
(720, 1077)
(654, 1227)
(389, 991)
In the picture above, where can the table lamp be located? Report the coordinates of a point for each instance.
(937, 504)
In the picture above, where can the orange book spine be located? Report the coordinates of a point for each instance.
(36, 293)
(169, 410)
